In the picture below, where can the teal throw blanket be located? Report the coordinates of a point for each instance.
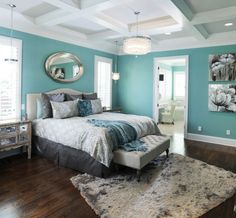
(123, 135)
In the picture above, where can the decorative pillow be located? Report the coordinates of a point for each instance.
(92, 96)
(88, 107)
(70, 97)
(39, 107)
(64, 109)
(46, 105)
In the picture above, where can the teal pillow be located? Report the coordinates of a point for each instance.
(88, 107)
(85, 108)
(39, 107)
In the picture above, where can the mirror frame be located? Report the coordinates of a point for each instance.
(54, 56)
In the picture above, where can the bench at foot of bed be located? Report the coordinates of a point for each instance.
(138, 159)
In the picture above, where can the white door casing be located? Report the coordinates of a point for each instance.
(156, 89)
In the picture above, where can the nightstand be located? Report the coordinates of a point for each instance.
(117, 110)
(15, 134)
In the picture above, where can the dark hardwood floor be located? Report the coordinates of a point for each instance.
(38, 188)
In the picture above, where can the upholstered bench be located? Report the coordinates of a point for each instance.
(138, 159)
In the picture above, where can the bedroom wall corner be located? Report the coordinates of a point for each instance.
(135, 90)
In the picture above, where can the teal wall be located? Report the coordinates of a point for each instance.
(36, 49)
(135, 89)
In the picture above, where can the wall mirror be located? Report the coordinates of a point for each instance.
(64, 67)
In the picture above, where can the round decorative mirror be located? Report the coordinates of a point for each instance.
(64, 67)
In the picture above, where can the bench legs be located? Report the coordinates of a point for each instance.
(167, 152)
(138, 175)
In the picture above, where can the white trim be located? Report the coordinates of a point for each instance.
(156, 88)
(102, 59)
(186, 95)
(155, 100)
(211, 139)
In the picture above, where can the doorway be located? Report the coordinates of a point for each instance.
(170, 95)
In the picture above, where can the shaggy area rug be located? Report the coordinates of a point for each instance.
(175, 187)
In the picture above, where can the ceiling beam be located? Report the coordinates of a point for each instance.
(214, 16)
(163, 30)
(72, 7)
(201, 29)
(117, 29)
(53, 18)
(153, 23)
(220, 37)
(69, 31)
(89, 3)
(177, 9)
(108, 22)
(200, 32)
(68, 12)
(107, 34)
(184, 8)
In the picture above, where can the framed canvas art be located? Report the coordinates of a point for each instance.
(222, 97)
(222, 67)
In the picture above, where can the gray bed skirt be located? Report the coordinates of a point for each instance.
(69, 157)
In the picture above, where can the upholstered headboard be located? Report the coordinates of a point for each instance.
(31, 100)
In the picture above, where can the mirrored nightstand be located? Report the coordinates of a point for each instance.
(15, 134)
(117, 110)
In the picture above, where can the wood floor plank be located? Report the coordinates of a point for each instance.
(38, 188)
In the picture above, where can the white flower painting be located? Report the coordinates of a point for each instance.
(222, 98)
(222, 67)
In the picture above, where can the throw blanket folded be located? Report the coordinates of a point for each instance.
(123, 135)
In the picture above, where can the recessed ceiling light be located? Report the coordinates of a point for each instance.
(168, 33)
(228, 24)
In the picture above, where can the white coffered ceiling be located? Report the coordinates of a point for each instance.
(99, 23)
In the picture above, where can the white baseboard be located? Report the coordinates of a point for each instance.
(211, 139)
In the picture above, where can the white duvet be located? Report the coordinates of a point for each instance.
(77, 133)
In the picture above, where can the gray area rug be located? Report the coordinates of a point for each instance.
(175, 187)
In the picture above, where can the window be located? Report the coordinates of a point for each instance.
(179, 85)
(103, 80)
(10, 78)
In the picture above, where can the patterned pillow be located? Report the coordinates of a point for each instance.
(88, 107)
(46, 105)
(92, 96)
(64, 109)
(70, 97)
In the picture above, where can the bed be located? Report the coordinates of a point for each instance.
(76, 143)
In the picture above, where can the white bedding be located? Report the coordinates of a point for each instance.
(77, 133)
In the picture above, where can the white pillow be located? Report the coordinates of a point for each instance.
(64, 109)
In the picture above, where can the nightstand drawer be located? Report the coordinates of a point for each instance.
(24, 137)
(8, 130)
(8, 141)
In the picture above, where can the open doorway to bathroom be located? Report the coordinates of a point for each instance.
(170, 95)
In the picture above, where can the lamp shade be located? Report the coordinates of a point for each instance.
(137, 45)
(115, 76)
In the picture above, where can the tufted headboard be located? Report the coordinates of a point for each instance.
(31, 100)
